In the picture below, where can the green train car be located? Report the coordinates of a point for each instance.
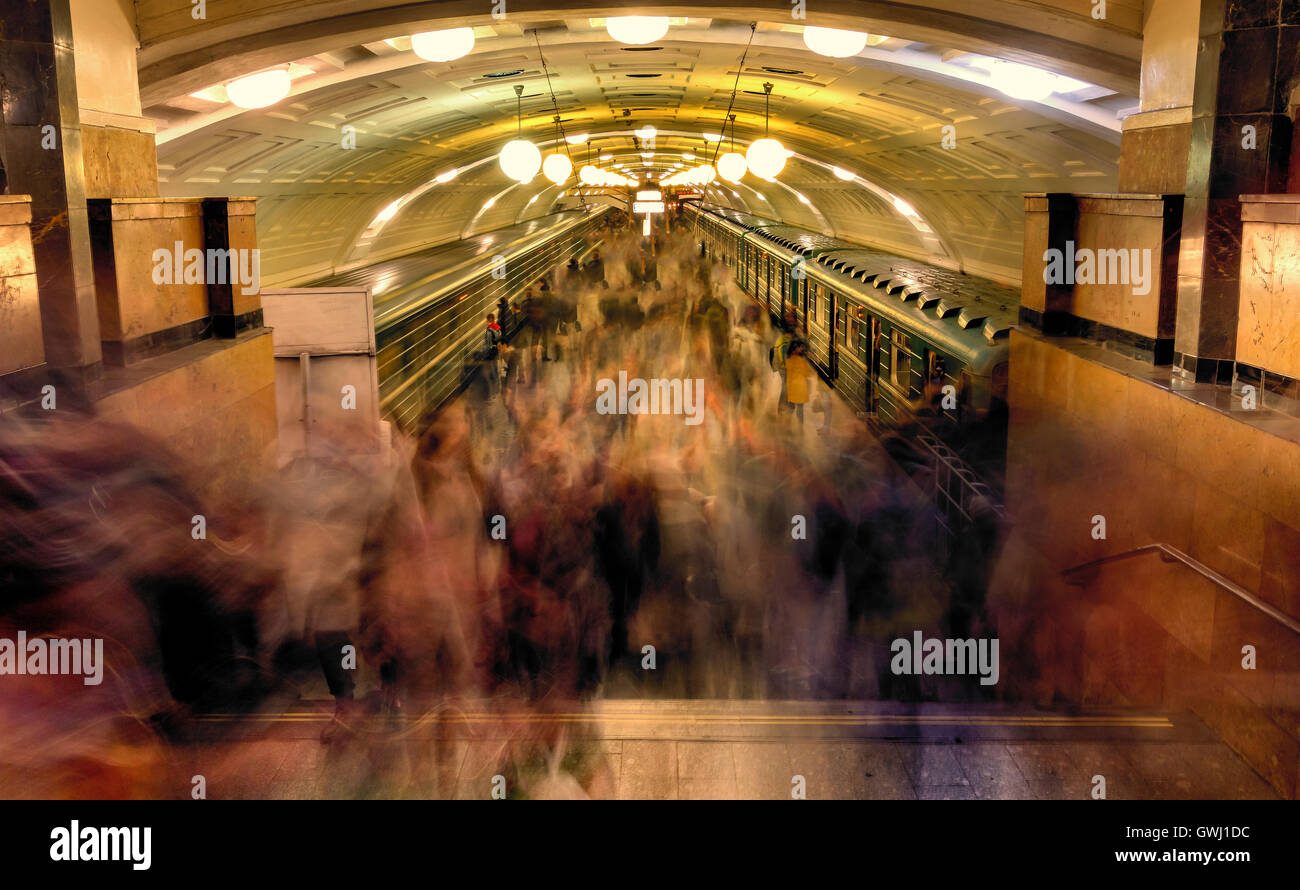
(901, 340)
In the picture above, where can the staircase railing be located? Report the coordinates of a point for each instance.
(1173, 554)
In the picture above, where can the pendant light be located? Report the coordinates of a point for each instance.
(520, 159)
(732, 165)
(557, 167)
(766, 156)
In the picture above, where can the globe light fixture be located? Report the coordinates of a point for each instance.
(834, 42)
(443, 46)
(732, 166)
(766, 157)
(520, 159)
(637, 29)
(557, 167)
(588, 174)
(259, 90)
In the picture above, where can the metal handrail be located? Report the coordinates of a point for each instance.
(1173, 554)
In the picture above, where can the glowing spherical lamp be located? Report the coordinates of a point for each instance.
(637, 29)
(589, 174)
(732, 166)
(557, 168)
(520, 160)
(766, 157)
(834, 42)
(443, 46)
(259, 90)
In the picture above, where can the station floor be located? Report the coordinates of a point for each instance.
(721, 750)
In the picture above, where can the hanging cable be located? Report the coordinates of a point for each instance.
(555, 106)
(753, 28)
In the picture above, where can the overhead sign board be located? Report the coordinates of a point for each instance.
(648, 207)
(650, 195)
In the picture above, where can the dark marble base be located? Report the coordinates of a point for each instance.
(1155, 351)
(128, 352)
(1206, 370)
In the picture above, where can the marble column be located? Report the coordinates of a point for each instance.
(1247, 62)
(40, 151)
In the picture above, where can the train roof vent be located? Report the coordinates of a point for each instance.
(971, 316)
(896, 287)
(949, 307)
(997, 327)
(925, 301)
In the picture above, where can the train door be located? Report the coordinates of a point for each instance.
(873, 364)
(785, 276)
(767, 281)
(836, 311)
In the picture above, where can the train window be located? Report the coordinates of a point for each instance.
(855, 334)
(810, 300)
(900, 367)
(840, 321)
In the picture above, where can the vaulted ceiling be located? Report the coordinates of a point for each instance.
(880, 115)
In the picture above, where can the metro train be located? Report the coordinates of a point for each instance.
(904, 342)
(429, 306)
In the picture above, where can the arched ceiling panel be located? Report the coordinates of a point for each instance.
(881, 115)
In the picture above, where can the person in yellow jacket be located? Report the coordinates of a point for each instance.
(798, 377)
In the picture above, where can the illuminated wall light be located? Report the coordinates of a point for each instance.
(489, 203)
(579, 139)
(803, 199)
(443, 46)
(446, 177)
(841, 173)
(688, 156)
(607, 157)
(259, 90)
(647, 132)
(712, 137)
(904, 208)
(637, 29)
(834, 42)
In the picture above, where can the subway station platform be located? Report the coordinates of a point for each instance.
(869, 400)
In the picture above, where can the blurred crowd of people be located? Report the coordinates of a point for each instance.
(515, 550)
